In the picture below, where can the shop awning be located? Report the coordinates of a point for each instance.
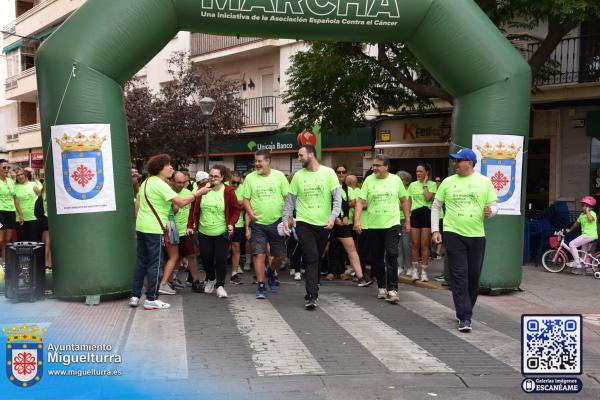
(36, 37)
(287, 142)
(414, 150)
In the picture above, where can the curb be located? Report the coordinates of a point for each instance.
(427, 285)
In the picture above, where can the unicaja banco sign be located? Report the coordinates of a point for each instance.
(359, 12)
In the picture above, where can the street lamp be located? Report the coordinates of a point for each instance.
(207, 105)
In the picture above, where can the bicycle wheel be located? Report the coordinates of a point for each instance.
(552, 265)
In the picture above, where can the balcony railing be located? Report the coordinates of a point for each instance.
(575, 60)
(11, 27)
(260, 111)
(13, 81)
(203, 43)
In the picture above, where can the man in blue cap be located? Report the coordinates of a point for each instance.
(469, 198)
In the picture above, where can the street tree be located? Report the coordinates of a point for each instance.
(171, 120)
(337, 83)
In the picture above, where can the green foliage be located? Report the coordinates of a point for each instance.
(335, 84)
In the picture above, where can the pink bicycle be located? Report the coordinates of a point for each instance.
(556, 259)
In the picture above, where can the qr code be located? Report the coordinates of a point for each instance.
(551, 344)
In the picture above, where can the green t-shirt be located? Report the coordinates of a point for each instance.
(239, 193)
(465, 197)
(27, 198)
(588, 228)
(181, 218)
(7, 192)
(417, 194)
(160, 195)
(313, 192)
(383, 200)
(266, 195)
(212, 213)
(352, 195)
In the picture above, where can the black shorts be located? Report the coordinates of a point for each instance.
(342, 231)
(420, 218)
(263, 234)
(186, 246)
(43, 224)
(239, 235)
(8, 220)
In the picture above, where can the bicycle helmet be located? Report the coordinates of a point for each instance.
(589, 200)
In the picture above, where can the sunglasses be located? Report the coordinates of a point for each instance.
(235, 183)
(340, 172)
(5, 167)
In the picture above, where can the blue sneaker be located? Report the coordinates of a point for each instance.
(271, 281)
(261, 293)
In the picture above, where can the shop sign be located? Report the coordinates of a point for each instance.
(415, 130)
(385, 136)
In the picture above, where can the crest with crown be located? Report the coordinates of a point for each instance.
(24, 333)
(499, 152)
(81, 142)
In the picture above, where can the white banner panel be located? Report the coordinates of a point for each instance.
(500, 158)
(83, 168)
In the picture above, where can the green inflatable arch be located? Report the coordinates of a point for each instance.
(81, 69)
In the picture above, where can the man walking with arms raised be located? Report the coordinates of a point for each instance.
(316, 197)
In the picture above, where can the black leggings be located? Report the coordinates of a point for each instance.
(213, 250)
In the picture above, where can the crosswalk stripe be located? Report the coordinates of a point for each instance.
(276, 349)
(394, 350)
(164, 332)
(486, 339)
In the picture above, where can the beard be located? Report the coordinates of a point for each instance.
(305, 164)
(260, 171)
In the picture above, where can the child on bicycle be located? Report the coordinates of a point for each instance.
(589, 231)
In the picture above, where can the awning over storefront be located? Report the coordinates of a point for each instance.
(286, 142)
(18, 156)
(423, 137)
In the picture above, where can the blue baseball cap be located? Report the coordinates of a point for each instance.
(465, 154)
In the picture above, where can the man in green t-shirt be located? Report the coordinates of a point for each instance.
(265, 190)
(316, 196)
(469, 198)
(187, 247)
(383, 193)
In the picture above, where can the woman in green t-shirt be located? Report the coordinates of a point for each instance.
(8, 205)
(155, 200)
(26, 192)
(589, 232)
(214, 215)
(421, 194)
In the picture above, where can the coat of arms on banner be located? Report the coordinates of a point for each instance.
(82, 165)
(499, 163)
(24, 354)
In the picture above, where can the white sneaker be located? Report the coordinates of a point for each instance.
(400, 271)
(292, 271)
(221, 292)
(297, 276)
(209, 287)
(415, 274)
(408, 271)
(134, 301)
(392, 297)
(156, 305)
(164, 288)
(247, 267)
(573, 264)
(382, 293)
(424, 277)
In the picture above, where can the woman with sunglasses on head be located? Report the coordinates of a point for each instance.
(215, 214)
(8, 206)
(27, 192)
(421, 194)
